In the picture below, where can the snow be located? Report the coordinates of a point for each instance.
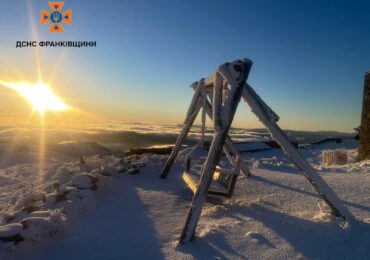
(83, 181)
(275, 214)
(10, 230)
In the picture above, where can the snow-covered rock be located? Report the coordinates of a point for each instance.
(11, 233)
(52, 186)
(136, 165)
(133, 171)
(36, 229)
(63, 175)
(105, 171)
(84, 181)
(30, 199)
(42, 214)
(18, 216)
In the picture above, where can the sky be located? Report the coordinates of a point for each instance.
(309, 57)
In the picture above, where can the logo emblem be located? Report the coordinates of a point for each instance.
(56, 16)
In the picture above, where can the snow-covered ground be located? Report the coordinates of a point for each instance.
(108, 207)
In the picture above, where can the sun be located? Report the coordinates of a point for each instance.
(39, 95)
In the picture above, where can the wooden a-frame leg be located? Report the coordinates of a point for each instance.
(193, 111)
(221, 128)
(321, 187)
(207, 170)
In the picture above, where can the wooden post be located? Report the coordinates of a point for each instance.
(222, 119)
(266, 117)
(364, 141)
(193, 111)
(208, 169)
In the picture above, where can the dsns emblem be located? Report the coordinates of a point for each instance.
(56, 16)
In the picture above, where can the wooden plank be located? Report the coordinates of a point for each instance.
(225, 171)
(192, 181)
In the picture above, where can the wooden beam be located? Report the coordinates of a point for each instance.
(222, 122)
(321, 187)
(208, 169)
(193, 111)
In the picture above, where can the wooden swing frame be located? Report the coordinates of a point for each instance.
(232, 77)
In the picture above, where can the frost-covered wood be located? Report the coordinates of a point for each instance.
(364, 135)
(191, 116)
(229, 147)
(277, 134)
(196, 104)
(208, 169)
(236, 74)
(224, 90)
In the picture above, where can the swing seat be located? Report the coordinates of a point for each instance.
(223, 182)
(192, 180)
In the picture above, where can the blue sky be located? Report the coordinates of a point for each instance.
(309, 57)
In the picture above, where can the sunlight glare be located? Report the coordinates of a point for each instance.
(39, 95)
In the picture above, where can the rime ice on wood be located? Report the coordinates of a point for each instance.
(364, 136)
(224, 102)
